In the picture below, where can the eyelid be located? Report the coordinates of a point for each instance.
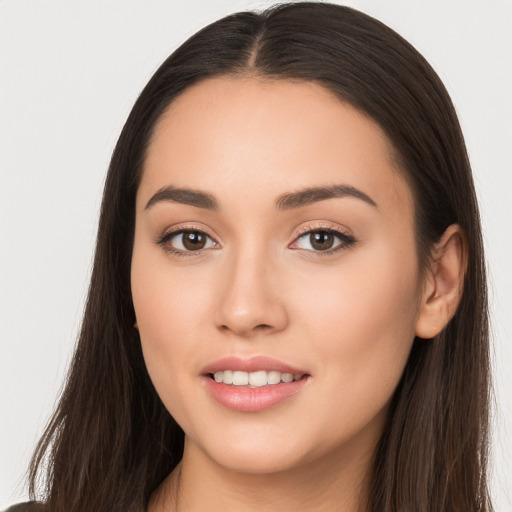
(187, 226)
(322, 226)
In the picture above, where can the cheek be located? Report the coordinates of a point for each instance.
(361, 322)
(166, 308)
(168, 297)
(167, 316)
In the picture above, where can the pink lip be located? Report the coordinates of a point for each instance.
(253, 364)
(246, 399)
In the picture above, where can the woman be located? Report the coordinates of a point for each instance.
(288, 304)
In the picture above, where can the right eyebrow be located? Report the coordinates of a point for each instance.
(184, 196)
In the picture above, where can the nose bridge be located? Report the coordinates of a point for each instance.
(250, 300)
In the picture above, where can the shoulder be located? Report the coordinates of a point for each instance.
(29, 506)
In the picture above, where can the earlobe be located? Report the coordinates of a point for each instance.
(443, 284)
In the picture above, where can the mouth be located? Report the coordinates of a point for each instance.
(252, 385)
(258, 379)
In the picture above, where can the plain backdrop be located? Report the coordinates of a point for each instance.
(70, 71)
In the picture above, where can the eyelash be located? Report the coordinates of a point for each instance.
(346, 240)
(166, 237)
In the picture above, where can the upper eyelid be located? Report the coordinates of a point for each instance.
(322, 226)
(175, 230)
(297, 233)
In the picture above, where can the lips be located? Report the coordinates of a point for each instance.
(238, 383)
(254, 364)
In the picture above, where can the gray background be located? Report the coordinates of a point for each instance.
(69, 73)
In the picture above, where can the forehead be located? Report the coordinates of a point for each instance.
(272, 136)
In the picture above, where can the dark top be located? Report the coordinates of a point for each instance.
(29, 506)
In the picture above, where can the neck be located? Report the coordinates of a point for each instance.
(324, 485)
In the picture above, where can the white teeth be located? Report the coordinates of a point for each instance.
(258, 379)
(227, 377)
(254, 379)
(274, 377)
(240, 378)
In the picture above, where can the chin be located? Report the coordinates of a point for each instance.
(259, 453)
(259, 463)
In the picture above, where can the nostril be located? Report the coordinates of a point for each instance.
(263, 327)
(247, 331)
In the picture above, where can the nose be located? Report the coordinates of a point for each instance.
(251, 299)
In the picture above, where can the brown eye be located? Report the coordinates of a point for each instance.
(187, 241)
(193, 240)
(321, 240)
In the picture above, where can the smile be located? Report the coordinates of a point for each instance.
(254, 379)
(254, 384)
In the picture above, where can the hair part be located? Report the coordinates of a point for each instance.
(111, 441)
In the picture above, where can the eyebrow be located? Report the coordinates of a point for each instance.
(184, 196)
(287, 201)
(312, 195)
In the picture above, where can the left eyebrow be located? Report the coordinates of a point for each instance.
(308, 196)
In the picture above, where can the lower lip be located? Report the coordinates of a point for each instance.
(245, 399)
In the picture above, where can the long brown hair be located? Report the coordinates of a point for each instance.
(111, 441)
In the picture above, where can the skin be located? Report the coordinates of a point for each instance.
(348, 318)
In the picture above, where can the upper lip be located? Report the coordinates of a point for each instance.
(252, 364)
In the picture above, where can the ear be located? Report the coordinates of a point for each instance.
(443, 284)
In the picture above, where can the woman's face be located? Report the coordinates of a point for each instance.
(274, 236)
